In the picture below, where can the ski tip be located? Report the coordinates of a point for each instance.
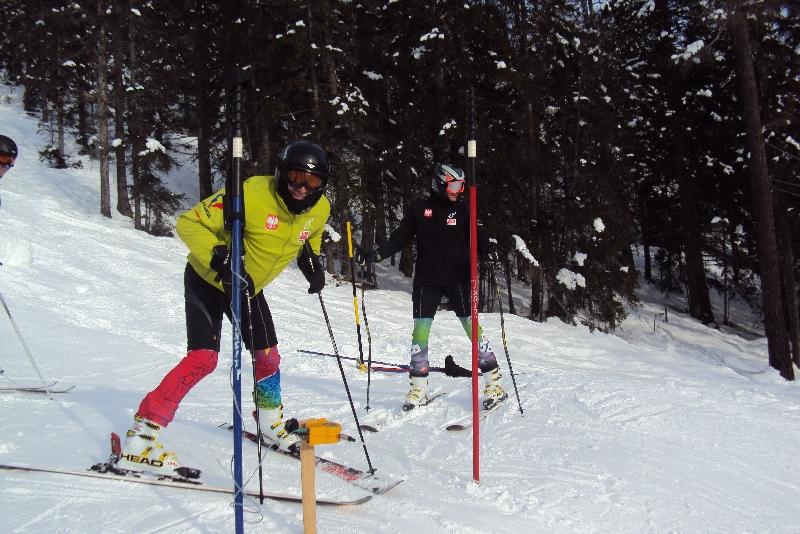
(368, 428)
(381, 489)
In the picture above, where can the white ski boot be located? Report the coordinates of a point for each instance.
(143, 452)
(493, 392)
(418, 394)
(273, 430)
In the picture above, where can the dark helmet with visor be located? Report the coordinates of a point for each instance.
(302, 163)
(8, 147)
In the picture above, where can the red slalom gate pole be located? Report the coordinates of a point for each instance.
(472, 149)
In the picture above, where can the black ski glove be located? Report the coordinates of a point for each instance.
(492, 252)
(221, 262)
(365, 256)
(312, 269)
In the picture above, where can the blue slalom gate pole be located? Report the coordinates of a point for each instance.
(236, 220)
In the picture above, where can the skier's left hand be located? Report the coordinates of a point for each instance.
(364, 256)
(492, 252)
(312, 269)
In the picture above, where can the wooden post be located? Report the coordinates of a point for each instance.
(308, 486)
(314, 432)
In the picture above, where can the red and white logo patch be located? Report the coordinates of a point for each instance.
(272, 222)
(428, 212)
(303, 235)
(451, 222)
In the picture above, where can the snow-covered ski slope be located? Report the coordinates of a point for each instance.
(684, 429)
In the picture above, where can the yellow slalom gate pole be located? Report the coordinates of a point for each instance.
(348, 225)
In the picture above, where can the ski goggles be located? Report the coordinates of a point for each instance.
(6, 160)
(453, 185)
(298, 179)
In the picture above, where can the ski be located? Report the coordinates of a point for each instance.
(139, 477)
(451, 368)
(362, 479)
(52, 387)
(407, 407)
(370, 428)
(466, 422)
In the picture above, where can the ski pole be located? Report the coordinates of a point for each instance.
(503, 333)
(349, 227)
(255, 396)
(309, 252)
(25, 346)
(369, 336)
(451, 368)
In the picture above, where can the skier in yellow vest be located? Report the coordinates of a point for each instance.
(281, 214)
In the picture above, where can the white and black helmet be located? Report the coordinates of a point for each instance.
(443, 174)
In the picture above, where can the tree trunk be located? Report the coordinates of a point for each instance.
(59, 100)
(102, 112)
(368, 232)
(30, 98)
(60, 112)
(203, 147)
(46, 112)
(84, 129)
(119, 97)
(697, 285)
(204, 126)
(790, 282)
(772, 298)
(133, 125)
(123, 195)
(507, 267)
(645, 225)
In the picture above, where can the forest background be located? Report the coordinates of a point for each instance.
(656, 127)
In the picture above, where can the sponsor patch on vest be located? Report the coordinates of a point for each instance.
(451, 222)
(428, 212)
(215, 202)
(272, 222)
(303, 235)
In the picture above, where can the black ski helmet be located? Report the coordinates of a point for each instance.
(8, 147)
(302, 156)
(443, 173)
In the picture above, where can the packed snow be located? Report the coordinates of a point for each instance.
(661, 427)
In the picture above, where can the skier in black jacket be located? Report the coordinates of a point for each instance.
(8, 154)
(441, 226)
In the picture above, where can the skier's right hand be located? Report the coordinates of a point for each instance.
(221, 262)
(365, 256)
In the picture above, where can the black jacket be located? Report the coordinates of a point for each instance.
(442, 231)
